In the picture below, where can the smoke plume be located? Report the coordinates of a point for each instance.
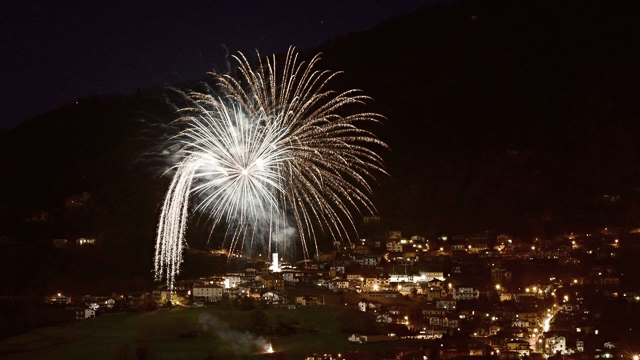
(240, 343)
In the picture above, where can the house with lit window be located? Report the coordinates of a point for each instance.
(85, 314)
(394, 246)
(447, 305)
(308, 300)
(272, 297)
(555, 343)
(520, 347)
(207, 292)
(465, 293)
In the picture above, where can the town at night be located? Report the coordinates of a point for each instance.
(375, 180)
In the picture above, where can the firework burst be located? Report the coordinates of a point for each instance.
(273, 147)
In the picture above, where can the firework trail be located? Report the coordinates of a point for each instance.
(274, 146)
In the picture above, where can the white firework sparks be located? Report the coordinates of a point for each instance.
(273, 146)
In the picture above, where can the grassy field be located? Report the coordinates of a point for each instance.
(173, 334)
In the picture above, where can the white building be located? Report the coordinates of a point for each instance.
(465, 293)
(448, 305)
(233, 280)
(371, 260)
(506, 297)
(376, 283)
(405, 278)
(362, 305)
(554, 344)
(289, 276)
(519, 346)
(394, 246)
(520, 324)
(208, 292)
(275, 265)
(408, 288)
(271, 297)
(423, 277)
(339, 284)
(431, 275)
(85, 314)
(109, 303)
(84, 241)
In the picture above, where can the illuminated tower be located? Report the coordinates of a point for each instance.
(275, 266)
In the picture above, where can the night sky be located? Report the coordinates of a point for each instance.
(55, 52)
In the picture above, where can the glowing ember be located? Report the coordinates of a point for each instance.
(270, 349)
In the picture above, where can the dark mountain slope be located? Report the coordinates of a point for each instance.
(502, 111)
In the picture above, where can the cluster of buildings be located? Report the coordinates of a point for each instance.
(87, 306)
(512, 298)
(66, 243)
